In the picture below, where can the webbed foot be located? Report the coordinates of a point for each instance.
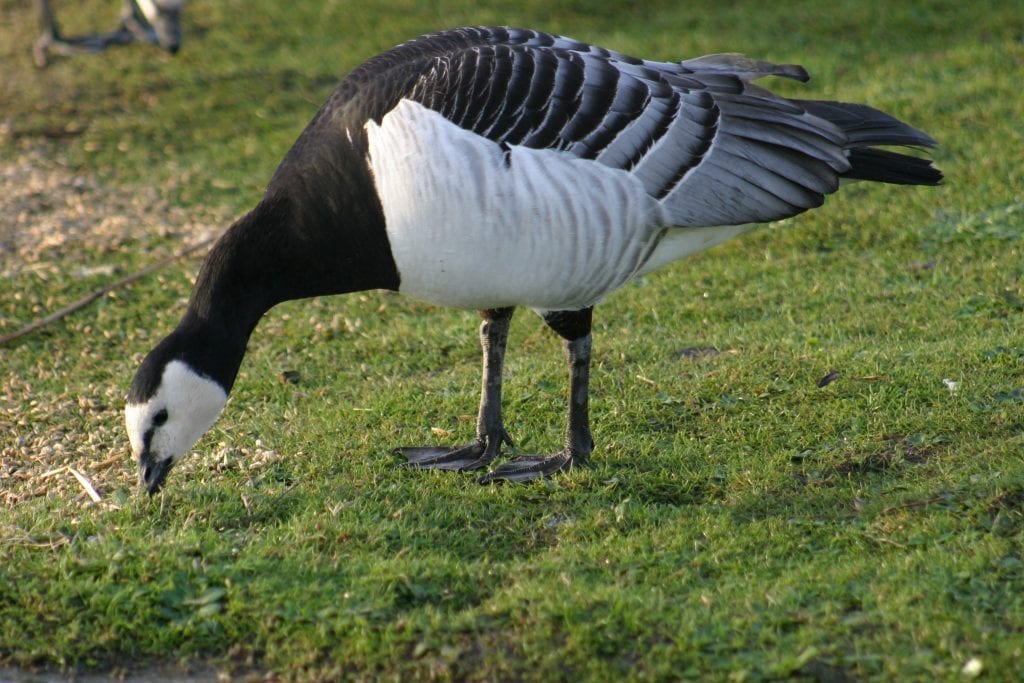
(471, 456)
(532, 467)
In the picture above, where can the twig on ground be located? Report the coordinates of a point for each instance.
(92, 296)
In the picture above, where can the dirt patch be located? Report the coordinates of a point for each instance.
(50, 212)
(50, 217)
(898, 449)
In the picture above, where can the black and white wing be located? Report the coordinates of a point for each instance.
(712, 147)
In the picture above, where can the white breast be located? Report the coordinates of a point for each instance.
(473, 227)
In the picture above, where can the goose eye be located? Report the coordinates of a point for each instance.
(160, 417)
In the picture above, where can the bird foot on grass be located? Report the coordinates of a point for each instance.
(457, 458)
(473, 456)
(533, 467)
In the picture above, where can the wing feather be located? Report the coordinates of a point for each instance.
(521, 66)
(714, 148)
(596, 99)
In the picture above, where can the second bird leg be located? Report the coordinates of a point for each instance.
(574, 328)
(490, 428)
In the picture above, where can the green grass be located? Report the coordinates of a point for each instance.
(739, 521)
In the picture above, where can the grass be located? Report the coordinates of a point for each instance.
(740, 522)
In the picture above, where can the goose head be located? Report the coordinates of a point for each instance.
(170, 405)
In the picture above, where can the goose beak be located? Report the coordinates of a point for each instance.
(152, 472)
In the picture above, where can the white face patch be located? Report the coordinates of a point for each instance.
(184, 406)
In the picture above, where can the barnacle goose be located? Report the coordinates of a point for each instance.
(488, 168)
(150, 21)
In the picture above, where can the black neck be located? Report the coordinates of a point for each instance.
(319, 230)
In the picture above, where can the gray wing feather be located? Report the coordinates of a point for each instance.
(744, 68)
(713, 147)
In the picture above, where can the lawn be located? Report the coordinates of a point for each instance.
(740, 522)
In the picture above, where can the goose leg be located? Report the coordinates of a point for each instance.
(574, 328)
(490, 429)
(51, 41)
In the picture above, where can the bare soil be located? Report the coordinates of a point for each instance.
(53, 221)
(50, 213)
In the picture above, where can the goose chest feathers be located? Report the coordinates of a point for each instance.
(489, 168)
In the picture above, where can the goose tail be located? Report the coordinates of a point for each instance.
(867, 128)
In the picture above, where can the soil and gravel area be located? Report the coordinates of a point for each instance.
(50, 216)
